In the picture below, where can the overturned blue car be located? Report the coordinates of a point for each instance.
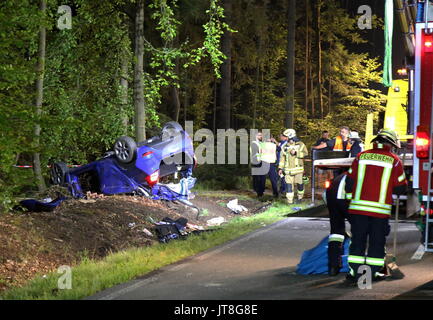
(131, 167)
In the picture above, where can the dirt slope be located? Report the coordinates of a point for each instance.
(35, 243)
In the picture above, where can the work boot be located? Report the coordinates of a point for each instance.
(378, 276)
(333, 271)
(334, 257)
(349, 282)
(290, 196)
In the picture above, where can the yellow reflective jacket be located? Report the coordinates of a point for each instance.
(290, 163)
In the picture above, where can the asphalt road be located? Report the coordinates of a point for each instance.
(262, 264)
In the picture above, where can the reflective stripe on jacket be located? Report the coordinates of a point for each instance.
(375, 173)
(339, 144)
(293, 164)
(256, 152)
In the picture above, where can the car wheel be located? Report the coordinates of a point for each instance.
(58, 173)
(125, 149)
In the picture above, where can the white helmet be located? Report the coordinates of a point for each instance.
(290, 133)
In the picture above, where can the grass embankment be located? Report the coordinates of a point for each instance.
(91, 276)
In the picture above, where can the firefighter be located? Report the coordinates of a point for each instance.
(356, 143)
(374, 176)
(292, 164)
(335, 198)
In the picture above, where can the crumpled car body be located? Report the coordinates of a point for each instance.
(131, 167)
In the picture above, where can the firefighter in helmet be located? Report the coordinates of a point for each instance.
(375, 175)
(292, 164)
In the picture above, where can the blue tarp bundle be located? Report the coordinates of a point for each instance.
(315, 260)
(39, 206)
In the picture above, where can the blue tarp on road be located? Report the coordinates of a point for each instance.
(315, 260)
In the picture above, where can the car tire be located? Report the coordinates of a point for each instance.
(58, 173)
(125, 149)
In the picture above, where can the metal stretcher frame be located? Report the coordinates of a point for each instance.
(336, 164)
(328, 164)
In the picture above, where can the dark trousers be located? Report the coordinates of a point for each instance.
(283, 186)
(273, 176)
(374, 231)
(259, 182)
(338, 213)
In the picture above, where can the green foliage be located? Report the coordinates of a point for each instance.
(221, 177)
(84, 110)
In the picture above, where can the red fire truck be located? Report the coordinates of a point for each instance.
(415, 21)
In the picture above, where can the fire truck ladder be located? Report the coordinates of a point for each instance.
(428, 246)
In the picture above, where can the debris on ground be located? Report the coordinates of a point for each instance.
(39, 242)
(235, 207)
(215, 221)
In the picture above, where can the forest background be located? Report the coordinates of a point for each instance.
(125, 67)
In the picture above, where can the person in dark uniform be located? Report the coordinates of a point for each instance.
(335, 197)
(356, 143)
(270, 156)
(324, 138)
(259, 178)
(339, 143)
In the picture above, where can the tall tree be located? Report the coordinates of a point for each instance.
(319, 56)
(307, 52)
(40, 70)
(290, 71)
(139, 103)
(226, 68)
(124, 84)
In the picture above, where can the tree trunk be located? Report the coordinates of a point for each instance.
(214, 107)
(307, 52)
(258, 69)
(290, 71)
(139, 104)
(319, 57)
(124, 91)
(40, 69)
(256, 95)
(329, 95)
(226, 69)
(186, 98)
(174, 91)
(313, 102)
